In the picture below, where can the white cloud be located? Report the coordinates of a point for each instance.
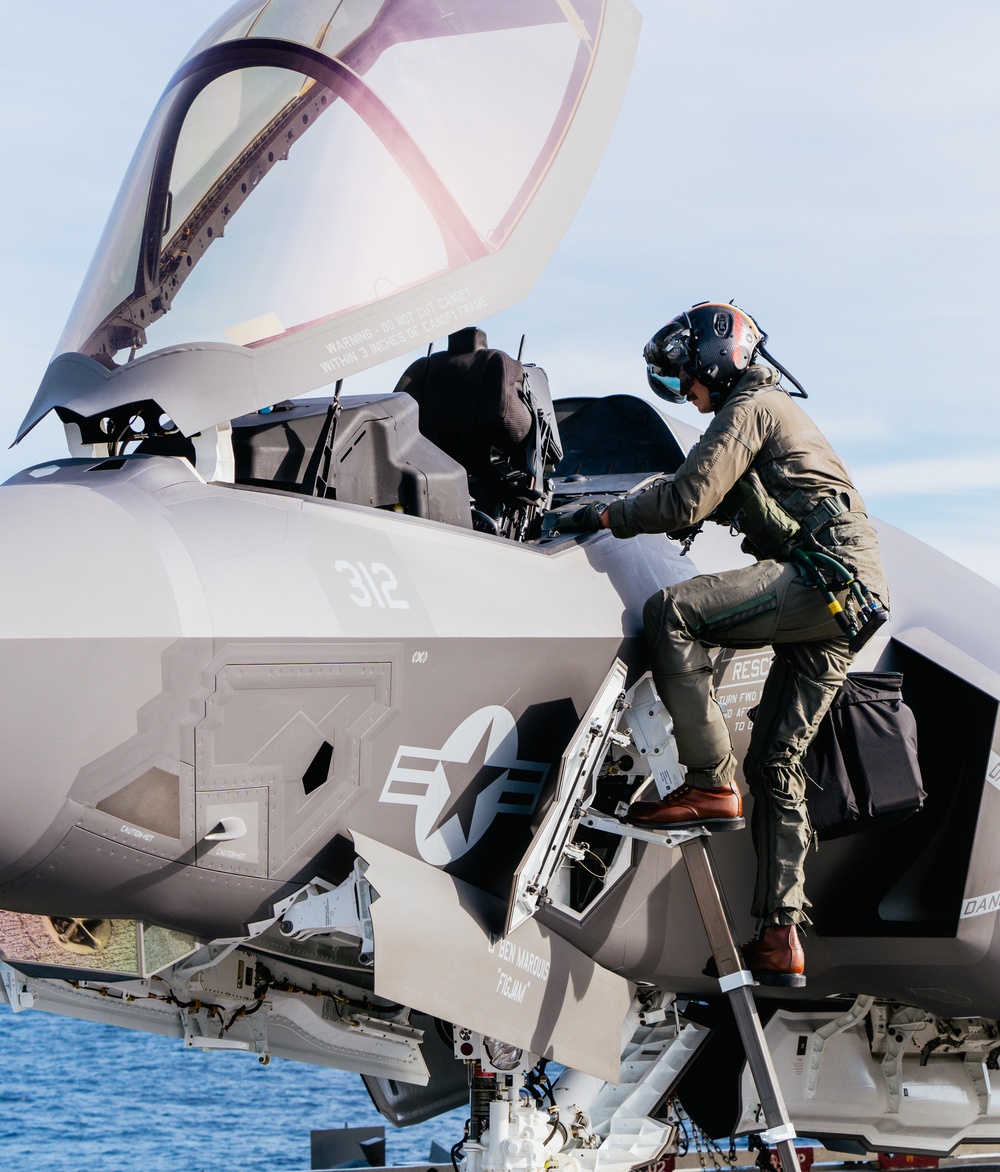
(932, 475)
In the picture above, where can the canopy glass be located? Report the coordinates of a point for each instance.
(311, 158)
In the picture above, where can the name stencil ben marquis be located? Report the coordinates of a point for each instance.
(510, 985)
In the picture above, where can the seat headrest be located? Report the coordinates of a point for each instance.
(467, 341)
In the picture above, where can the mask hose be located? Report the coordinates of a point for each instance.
(802, 392)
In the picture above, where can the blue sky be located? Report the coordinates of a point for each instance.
(833, 168)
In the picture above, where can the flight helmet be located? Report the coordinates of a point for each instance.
(712, 342)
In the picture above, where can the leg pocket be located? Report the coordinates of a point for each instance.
(742, 605)
(738, 614)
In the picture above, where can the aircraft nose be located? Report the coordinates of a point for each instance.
(86, 610)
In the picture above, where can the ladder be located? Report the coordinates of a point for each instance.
(734, 980)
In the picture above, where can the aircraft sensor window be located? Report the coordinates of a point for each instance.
(151, 801)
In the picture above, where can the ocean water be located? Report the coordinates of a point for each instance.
(82, 1097)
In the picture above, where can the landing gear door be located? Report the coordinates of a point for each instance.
(574, 789)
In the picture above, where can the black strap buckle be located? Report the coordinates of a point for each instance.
(827, 509)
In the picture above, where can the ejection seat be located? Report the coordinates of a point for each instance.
(495, 417)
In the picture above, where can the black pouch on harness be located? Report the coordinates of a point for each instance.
(862, 764)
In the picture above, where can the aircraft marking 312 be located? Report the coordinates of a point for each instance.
(251, 629)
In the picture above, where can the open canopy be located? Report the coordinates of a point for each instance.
(328, 183)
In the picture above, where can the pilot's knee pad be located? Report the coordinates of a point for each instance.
(661, 610)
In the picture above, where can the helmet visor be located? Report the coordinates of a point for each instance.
(668, 386)
(670, 350)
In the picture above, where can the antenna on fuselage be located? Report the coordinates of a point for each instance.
(321, 480)
(520, 349)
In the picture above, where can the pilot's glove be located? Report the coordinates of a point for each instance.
(583, 519)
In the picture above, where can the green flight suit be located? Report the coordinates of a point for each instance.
(760, 429)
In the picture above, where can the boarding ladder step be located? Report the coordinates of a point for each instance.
(734, 980)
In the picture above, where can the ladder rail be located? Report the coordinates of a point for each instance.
(734, 980)
(737, 983)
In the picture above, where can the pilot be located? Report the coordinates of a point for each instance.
(764, 467)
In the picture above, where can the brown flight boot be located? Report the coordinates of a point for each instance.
(775, 957)
(716, 809)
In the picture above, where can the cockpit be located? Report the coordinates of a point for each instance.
(470, 436)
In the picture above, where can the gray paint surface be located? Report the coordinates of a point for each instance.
(531, 988)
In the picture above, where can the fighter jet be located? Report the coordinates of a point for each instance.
(314, 733)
